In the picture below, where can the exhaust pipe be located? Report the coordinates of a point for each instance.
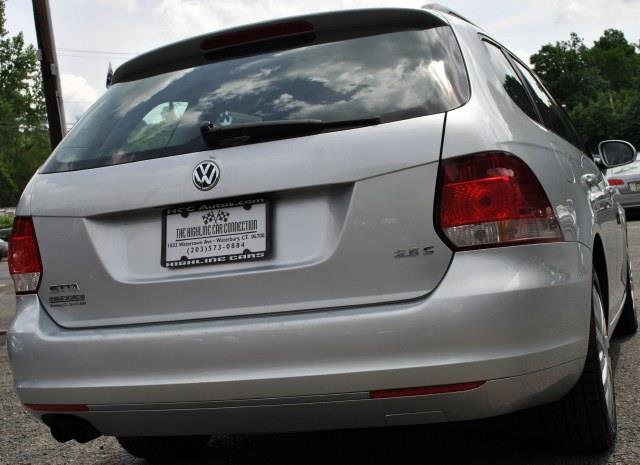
(64, 428)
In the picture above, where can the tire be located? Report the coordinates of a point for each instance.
(628, 323)
(585, 419)
(162, 448)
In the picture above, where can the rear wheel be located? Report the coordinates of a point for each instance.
(585, 419)
(628, 323)
(161, 447)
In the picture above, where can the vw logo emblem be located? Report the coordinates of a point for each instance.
(206, 175)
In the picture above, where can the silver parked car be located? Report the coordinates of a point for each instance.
(3, 249)
(626, 182)
(351, 219)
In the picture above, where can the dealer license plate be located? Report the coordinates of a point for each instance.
(215, 233)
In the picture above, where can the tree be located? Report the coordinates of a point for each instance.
(24, 143)
(616, 59)
(564, 67)
(599, 86)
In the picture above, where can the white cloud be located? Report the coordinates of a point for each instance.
(607, 12)
(183, 18)
(77, 95)
(569, 10)
(129, 6)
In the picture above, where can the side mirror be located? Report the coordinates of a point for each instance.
(614, 153)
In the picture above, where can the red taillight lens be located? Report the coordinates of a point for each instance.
(493, 199)
(615, 182)
(25, 265)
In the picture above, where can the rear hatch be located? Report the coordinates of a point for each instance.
(133, 228)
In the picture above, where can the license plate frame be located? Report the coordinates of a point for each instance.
(242, 255)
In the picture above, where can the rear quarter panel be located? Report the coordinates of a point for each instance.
(492, 121)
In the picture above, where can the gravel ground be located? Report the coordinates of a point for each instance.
(496, 442)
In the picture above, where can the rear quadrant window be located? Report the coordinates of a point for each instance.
(550, 111)
(510, 80)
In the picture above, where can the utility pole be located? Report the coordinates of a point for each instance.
(50, 71)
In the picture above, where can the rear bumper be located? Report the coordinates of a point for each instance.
(629, 200)
(352, 410)
(516, 317)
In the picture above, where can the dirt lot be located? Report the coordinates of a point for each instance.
(499, 442)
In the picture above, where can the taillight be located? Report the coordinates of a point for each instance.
(491, 200)
(615, 182)
(25, 265)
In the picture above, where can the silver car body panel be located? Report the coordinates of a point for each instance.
(516, 317)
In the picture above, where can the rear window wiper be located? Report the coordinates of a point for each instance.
(213, 134)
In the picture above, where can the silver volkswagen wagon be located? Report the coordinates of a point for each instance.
(353, 219)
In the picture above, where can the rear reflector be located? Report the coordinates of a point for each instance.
(615, 182)
(57, 407)
(491, 200)
(256, 34)
(425, 391)
(25, 265)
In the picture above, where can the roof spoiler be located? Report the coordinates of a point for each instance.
(274, 35)
(446, 10)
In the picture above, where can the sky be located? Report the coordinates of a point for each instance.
(91, 33)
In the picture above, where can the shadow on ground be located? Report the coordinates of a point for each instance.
(633, 215)
(499, 441)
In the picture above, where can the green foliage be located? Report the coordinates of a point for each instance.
(599, 86)
(24, 141)
(5, 222)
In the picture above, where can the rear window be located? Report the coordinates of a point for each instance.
(395, 76)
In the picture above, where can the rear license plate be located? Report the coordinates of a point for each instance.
(216, 233)
(634, 186)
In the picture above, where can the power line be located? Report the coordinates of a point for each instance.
(93, 57)
(101, 52)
